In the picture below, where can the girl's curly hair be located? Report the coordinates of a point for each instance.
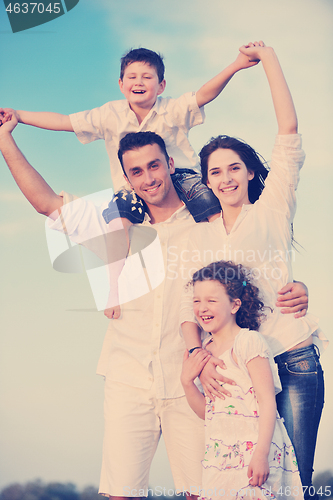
(236, 280)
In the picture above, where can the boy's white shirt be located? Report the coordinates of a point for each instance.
(170, 118)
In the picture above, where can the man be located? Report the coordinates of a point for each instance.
(142, 354)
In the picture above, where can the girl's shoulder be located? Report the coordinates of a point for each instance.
(250, 344)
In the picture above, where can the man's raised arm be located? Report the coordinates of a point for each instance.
(30, 182)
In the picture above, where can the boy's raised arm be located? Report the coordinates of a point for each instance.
(210, 90)
(40, 119)
(30, 182)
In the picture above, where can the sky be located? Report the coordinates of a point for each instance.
(51, 333)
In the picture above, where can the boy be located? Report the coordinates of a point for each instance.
(142, 82)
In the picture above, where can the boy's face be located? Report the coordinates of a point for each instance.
(140, 85)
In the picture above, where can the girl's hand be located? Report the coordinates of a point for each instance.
(253, 50)
(193, 364)
(258, 470)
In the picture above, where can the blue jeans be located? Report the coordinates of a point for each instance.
(199, 199)
(300, 404)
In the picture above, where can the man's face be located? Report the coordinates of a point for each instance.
(148, 173)
(140, 85)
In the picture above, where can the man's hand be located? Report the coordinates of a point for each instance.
(193, 365)
(293, 297)
(210, 378)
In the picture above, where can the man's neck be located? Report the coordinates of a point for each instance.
(160, 213)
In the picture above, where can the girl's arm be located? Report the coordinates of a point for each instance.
(282, 100)
(46, 120)
(263, 385)
(192, 366)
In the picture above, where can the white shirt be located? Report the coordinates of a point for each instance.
(260, 239)
(170, 118)
(144, 345)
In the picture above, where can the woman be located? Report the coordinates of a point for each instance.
(255, 230)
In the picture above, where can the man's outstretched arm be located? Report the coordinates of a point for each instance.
(30, 182)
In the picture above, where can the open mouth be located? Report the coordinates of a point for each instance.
(138, 91)
(206, 318)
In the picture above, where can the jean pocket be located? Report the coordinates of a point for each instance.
(306, 366)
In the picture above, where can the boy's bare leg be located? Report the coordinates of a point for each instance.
(115, 267)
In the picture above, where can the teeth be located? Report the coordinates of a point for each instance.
(138, 91)
(151, 190)
(232, 188)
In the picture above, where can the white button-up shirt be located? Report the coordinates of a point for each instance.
(144, 345)
(260, 239)
(170, 118)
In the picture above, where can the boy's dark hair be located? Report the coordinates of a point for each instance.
(253, 161)
(236, 280)
(136, 140)
(143, 55)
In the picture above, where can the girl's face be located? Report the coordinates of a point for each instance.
(212, 305)
(228, 178)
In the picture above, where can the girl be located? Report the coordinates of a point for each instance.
(255, 230)
(248, 451)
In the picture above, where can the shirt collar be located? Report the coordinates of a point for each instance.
(181, 213)
(157, 109)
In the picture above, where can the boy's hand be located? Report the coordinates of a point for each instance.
(258, 470)
(210, 379)
(243, 61)
(193, 364)
(293, 297)
(253, 50)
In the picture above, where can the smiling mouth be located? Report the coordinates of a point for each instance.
(229, 189)
(206, 318)
(138, 91)
(152, 190)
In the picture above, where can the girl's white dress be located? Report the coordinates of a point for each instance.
(231, 427)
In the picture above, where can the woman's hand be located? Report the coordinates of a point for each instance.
(253, 51)
(210, 379)
(293, 298)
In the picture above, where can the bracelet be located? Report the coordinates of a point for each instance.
(193, 349)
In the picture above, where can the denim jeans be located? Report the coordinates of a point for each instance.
(199, 199)
(300, 404)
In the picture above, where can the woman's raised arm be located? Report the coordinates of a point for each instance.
(282, 100)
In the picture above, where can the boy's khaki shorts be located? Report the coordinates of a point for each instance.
(134, 420)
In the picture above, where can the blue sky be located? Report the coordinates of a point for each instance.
(51, 334)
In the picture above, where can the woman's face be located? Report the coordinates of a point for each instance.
(228, 178)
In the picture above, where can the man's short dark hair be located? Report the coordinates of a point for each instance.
(137, 140)
(146, 56)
